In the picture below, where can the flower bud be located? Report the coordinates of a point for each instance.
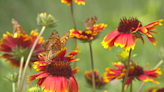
(34, 89)
(12, 77)
(46, 20)
(123, 56)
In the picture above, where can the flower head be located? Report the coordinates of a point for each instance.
(16, 45)
(135, 71)
(155, 89)
(68, 2)
(99, 82)
(89, 34)
(127, 33)
(46, 20)
(54, 75)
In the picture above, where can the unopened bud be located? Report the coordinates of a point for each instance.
(12, 77)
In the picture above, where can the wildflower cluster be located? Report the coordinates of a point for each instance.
(49, 59)
(125, 36)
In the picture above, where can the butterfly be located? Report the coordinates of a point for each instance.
(54, 44)
(90, 22)
(17, 27)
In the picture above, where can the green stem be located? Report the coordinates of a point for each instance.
(13, 86)
(131, 86)
(73, 18)
(74, 23)
(123, 82)
(20, 72)
(29, 57)
(127, 71)
(160, 62)
(92, 66)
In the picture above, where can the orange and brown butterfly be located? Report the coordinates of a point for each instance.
(54, 44)
(90, 22)
(17, 27)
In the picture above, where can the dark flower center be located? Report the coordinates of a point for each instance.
(137, 71)
(60, 69)
(87, 33)
(161, 90)
(128, 25)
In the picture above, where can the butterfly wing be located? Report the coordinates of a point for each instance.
(17, 27)
(45, 46)
(90, 22)
(52, 45)
(54, 40)
(64, 39)
(49, 56)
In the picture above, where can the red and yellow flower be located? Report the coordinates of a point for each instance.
(155, 89)
(54, 75)
(68, 2)
(135, 71)
(89, 34)
(99, 82)
(16, 45)
(127, 33)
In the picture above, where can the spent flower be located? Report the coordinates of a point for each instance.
(46, 20)
(12, 77)
(99, 82)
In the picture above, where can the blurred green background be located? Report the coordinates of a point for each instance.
(108, 12)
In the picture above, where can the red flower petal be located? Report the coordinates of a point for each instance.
(54, 83)
(129, 80)
(145, 31)
(121, 40)
(153, 73)
(146, 78)
(130, 42)
(33, 77)
(68, 2)
(152, 40)
(153, 24)
(75, 51)
(74, 71)
(80, 2)
(73, 85)
(118, 65)
(111, 36)
(43, 75)
(98, 27)
(40, 65)
(61, 54)
(40, 81)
